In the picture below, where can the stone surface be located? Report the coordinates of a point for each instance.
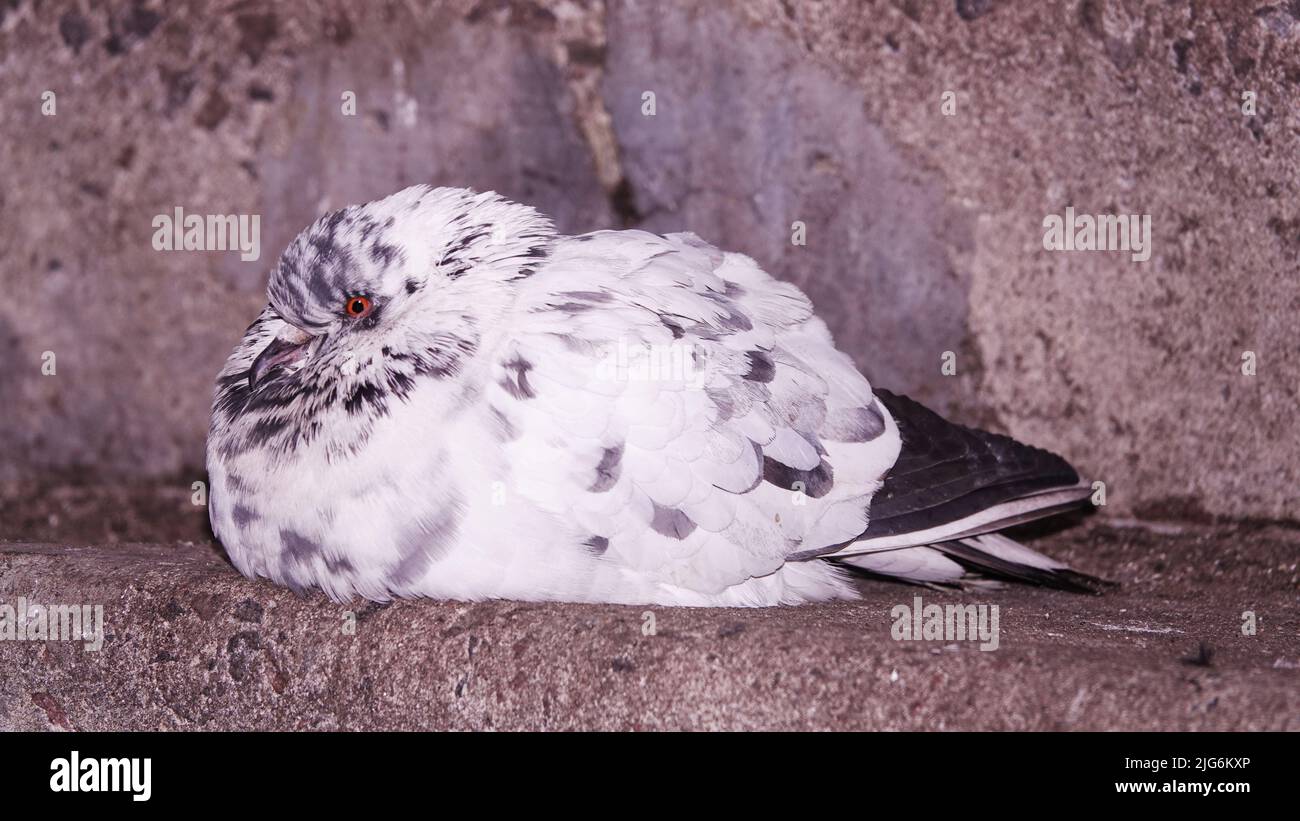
(191, 644)
(924, 230)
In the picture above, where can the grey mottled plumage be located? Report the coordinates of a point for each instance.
(445, 398)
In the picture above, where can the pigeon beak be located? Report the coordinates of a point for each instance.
(288, 347)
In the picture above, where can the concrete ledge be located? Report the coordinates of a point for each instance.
(192, 645)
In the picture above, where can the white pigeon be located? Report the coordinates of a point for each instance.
(446, 398)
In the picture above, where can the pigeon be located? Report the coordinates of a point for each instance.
(444, 397)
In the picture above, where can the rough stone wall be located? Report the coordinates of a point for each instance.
(924, 231)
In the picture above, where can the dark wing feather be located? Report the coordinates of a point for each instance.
(948, 471)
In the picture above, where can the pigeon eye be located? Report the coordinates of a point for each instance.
(358, 307)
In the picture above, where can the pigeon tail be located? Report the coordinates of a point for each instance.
(936, 516)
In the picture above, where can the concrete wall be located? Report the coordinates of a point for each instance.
(924, 231)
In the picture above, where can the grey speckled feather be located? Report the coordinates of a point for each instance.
(443, 397)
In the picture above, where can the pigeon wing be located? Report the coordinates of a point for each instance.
(683, 413)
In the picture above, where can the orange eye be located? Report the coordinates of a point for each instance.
(357, 307)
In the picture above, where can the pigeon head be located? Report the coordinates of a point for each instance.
(367, 304)
(417, 275)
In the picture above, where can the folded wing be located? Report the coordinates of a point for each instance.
(686, 413)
